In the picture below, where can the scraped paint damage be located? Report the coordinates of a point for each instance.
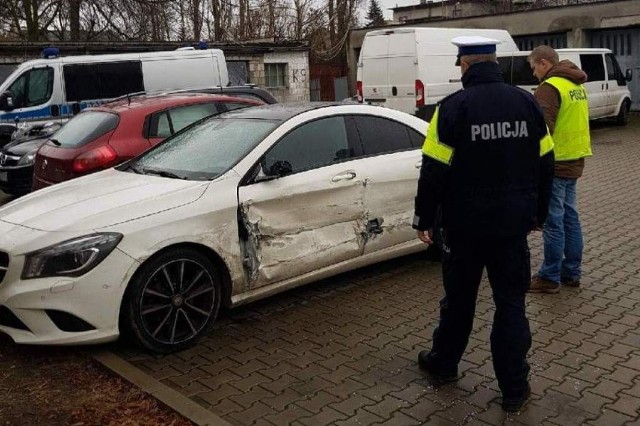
(292, 235)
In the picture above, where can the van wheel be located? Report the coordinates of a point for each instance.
(172, 300)
(623, 115)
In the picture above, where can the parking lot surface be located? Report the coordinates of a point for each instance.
(343, 351)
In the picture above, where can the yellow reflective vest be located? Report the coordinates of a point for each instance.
(571, 136)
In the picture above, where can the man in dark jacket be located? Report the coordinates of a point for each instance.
(488, 161)
(566, 111)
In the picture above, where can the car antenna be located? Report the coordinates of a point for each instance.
(128, 100)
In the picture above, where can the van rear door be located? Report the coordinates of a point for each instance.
(375, 53)
(401, 74)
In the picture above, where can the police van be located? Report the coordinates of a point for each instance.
(606, 86)
(55, 88)
(411, 69)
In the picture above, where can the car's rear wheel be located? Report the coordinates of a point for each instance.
(172, 300)
(623, 115)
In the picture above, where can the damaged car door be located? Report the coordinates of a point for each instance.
(392, 161)
(302, 209)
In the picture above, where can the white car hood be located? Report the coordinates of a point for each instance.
(100, 200)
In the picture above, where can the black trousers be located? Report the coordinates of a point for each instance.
(508, 266)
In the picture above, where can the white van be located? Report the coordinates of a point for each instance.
(606, 86)
(411, 69)
(55, 88)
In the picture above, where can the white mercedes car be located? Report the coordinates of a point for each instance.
(234, 208)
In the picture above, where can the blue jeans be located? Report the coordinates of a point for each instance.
(562, 234)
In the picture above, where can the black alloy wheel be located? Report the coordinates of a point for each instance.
(172, 300)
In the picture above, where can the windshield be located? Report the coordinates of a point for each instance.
(85, 127)
(204, 151)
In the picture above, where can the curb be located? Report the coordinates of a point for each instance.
(169, 397)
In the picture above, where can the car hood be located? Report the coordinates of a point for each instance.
(100, 200)
(22, 147)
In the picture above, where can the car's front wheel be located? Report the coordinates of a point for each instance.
(172, 300)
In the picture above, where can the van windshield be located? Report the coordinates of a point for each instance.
(85, 127)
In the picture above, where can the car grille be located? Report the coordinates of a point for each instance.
(8, 160)
(4, 264)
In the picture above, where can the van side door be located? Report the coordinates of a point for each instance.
(593, 65)
(31, 94)
(617, 84)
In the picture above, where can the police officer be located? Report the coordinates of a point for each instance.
(488, 162)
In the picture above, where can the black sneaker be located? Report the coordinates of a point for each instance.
(515, 404)
(435, 375)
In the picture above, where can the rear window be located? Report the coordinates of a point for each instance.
(85, 127)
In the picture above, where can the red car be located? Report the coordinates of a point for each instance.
(101, 137)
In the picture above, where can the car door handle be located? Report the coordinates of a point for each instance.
(419, 164)
(344, 176)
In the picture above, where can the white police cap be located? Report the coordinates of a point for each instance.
(475, 45)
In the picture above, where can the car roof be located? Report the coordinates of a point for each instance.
(151, 103)
(280, 112)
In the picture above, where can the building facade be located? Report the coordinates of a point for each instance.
(610, 24)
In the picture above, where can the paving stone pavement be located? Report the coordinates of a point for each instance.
(343, 351)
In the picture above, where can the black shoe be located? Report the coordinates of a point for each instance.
(515, 404)
(569, 282)
(435, 375)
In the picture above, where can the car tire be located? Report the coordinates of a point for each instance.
(623, 116)
(171, 301)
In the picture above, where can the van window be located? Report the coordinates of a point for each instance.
(32, 88)
(517, 71)
(521, 73)
(614, 73)
(85, 127)
(102, 80)
(593, 65)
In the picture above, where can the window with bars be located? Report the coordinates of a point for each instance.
(275, 75)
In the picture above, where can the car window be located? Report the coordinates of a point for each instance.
(85, 127)
(417, 139)
(159, 126)
(207, 150)
(593, 66)
(312, 145)
(380, 135)
(181, 117)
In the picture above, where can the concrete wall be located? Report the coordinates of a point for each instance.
(575, 21)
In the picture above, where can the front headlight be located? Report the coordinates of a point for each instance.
(70, 258)
(27, 159)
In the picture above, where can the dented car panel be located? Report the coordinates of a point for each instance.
(389, 193)
(302, 222)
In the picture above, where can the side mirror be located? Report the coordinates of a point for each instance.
(274, 171)
(6, 101)
(280, 168)
(628, 75)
